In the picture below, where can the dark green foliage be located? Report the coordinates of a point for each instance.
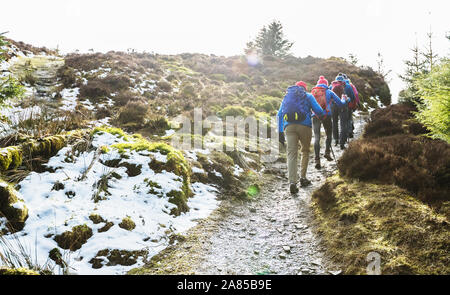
(270, 41)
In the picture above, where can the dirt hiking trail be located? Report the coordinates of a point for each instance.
(272, 234)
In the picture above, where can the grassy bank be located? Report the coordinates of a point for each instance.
(390, 196)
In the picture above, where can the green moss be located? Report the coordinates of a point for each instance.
(104, 149)
(106, 227)
(111, 130)
(356, 218)
(176, 162)
(56, 256)
(43, 147)
(233, 111)
(73, 240)
(96, 219)
(17, 272)
(179, 199)
(10, 158)
(16, 215)
(127, 223)
(116, 257)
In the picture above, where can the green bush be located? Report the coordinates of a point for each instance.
(133, 113)
(233, 111)
(434, 112)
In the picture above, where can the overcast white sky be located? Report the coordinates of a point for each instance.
(319, 28)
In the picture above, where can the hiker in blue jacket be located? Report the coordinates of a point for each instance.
(329, 98)
(294, 118)
(344, 111)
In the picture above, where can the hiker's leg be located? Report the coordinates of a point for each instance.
(292, 152)
(316, 127)
(335, 111)
(305, 141)
(350, 123)
(327, 125)
(343, 123)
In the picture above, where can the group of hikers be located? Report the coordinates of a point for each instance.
(301, 112)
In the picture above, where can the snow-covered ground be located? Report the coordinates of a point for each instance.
(52, 212)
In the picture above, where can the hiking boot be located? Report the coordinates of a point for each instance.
(304, 182)
(293, 188)
(328, 157)
(342, 146)
(318, 164)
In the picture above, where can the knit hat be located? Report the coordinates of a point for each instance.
(322, 80)
(302, 84)
(339, 78)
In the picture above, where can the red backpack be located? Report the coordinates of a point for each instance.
(338, 88)
(354, 104)
(320, 94)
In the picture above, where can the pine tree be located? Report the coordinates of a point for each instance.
(353, 59)
(381, 68)
(414, 67)
(270, 41)
(429, 55)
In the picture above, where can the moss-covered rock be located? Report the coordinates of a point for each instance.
(96, 219)
(44, 147)
(74, 239)
(220, 169)
(4, 271)
(127, 223)
(56, 256)
(106, 227)
(115, 257)
(12, 207)
(10, 157)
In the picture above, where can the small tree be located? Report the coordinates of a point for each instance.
(430, 57)
(414, 68)
(381, 68)
(353, 59)
(270, 41)
(434, 89)
(9, 86)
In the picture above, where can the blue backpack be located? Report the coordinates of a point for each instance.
(295, 105)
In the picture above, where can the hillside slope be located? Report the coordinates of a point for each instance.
(86, 160)
(390, 197)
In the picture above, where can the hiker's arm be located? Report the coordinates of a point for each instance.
(349, 92)
(280, 119)
(340, 102)
(315, 106)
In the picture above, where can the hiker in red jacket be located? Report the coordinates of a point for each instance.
(325, 98)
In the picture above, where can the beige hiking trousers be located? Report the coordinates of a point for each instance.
(294, 133)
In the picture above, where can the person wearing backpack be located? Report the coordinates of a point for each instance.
(338, 87)
(353, 106)
(344, 111)
(325, 98)
(294, 118)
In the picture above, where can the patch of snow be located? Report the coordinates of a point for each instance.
(170, 132)
(69, 99)
(237, 170)
(198, 170)
(54, 211)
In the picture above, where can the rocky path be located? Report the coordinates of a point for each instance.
(270, 235)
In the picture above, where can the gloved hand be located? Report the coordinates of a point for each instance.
(281, 138)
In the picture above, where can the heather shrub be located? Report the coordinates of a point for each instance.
(133, 114)
(418, 164)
